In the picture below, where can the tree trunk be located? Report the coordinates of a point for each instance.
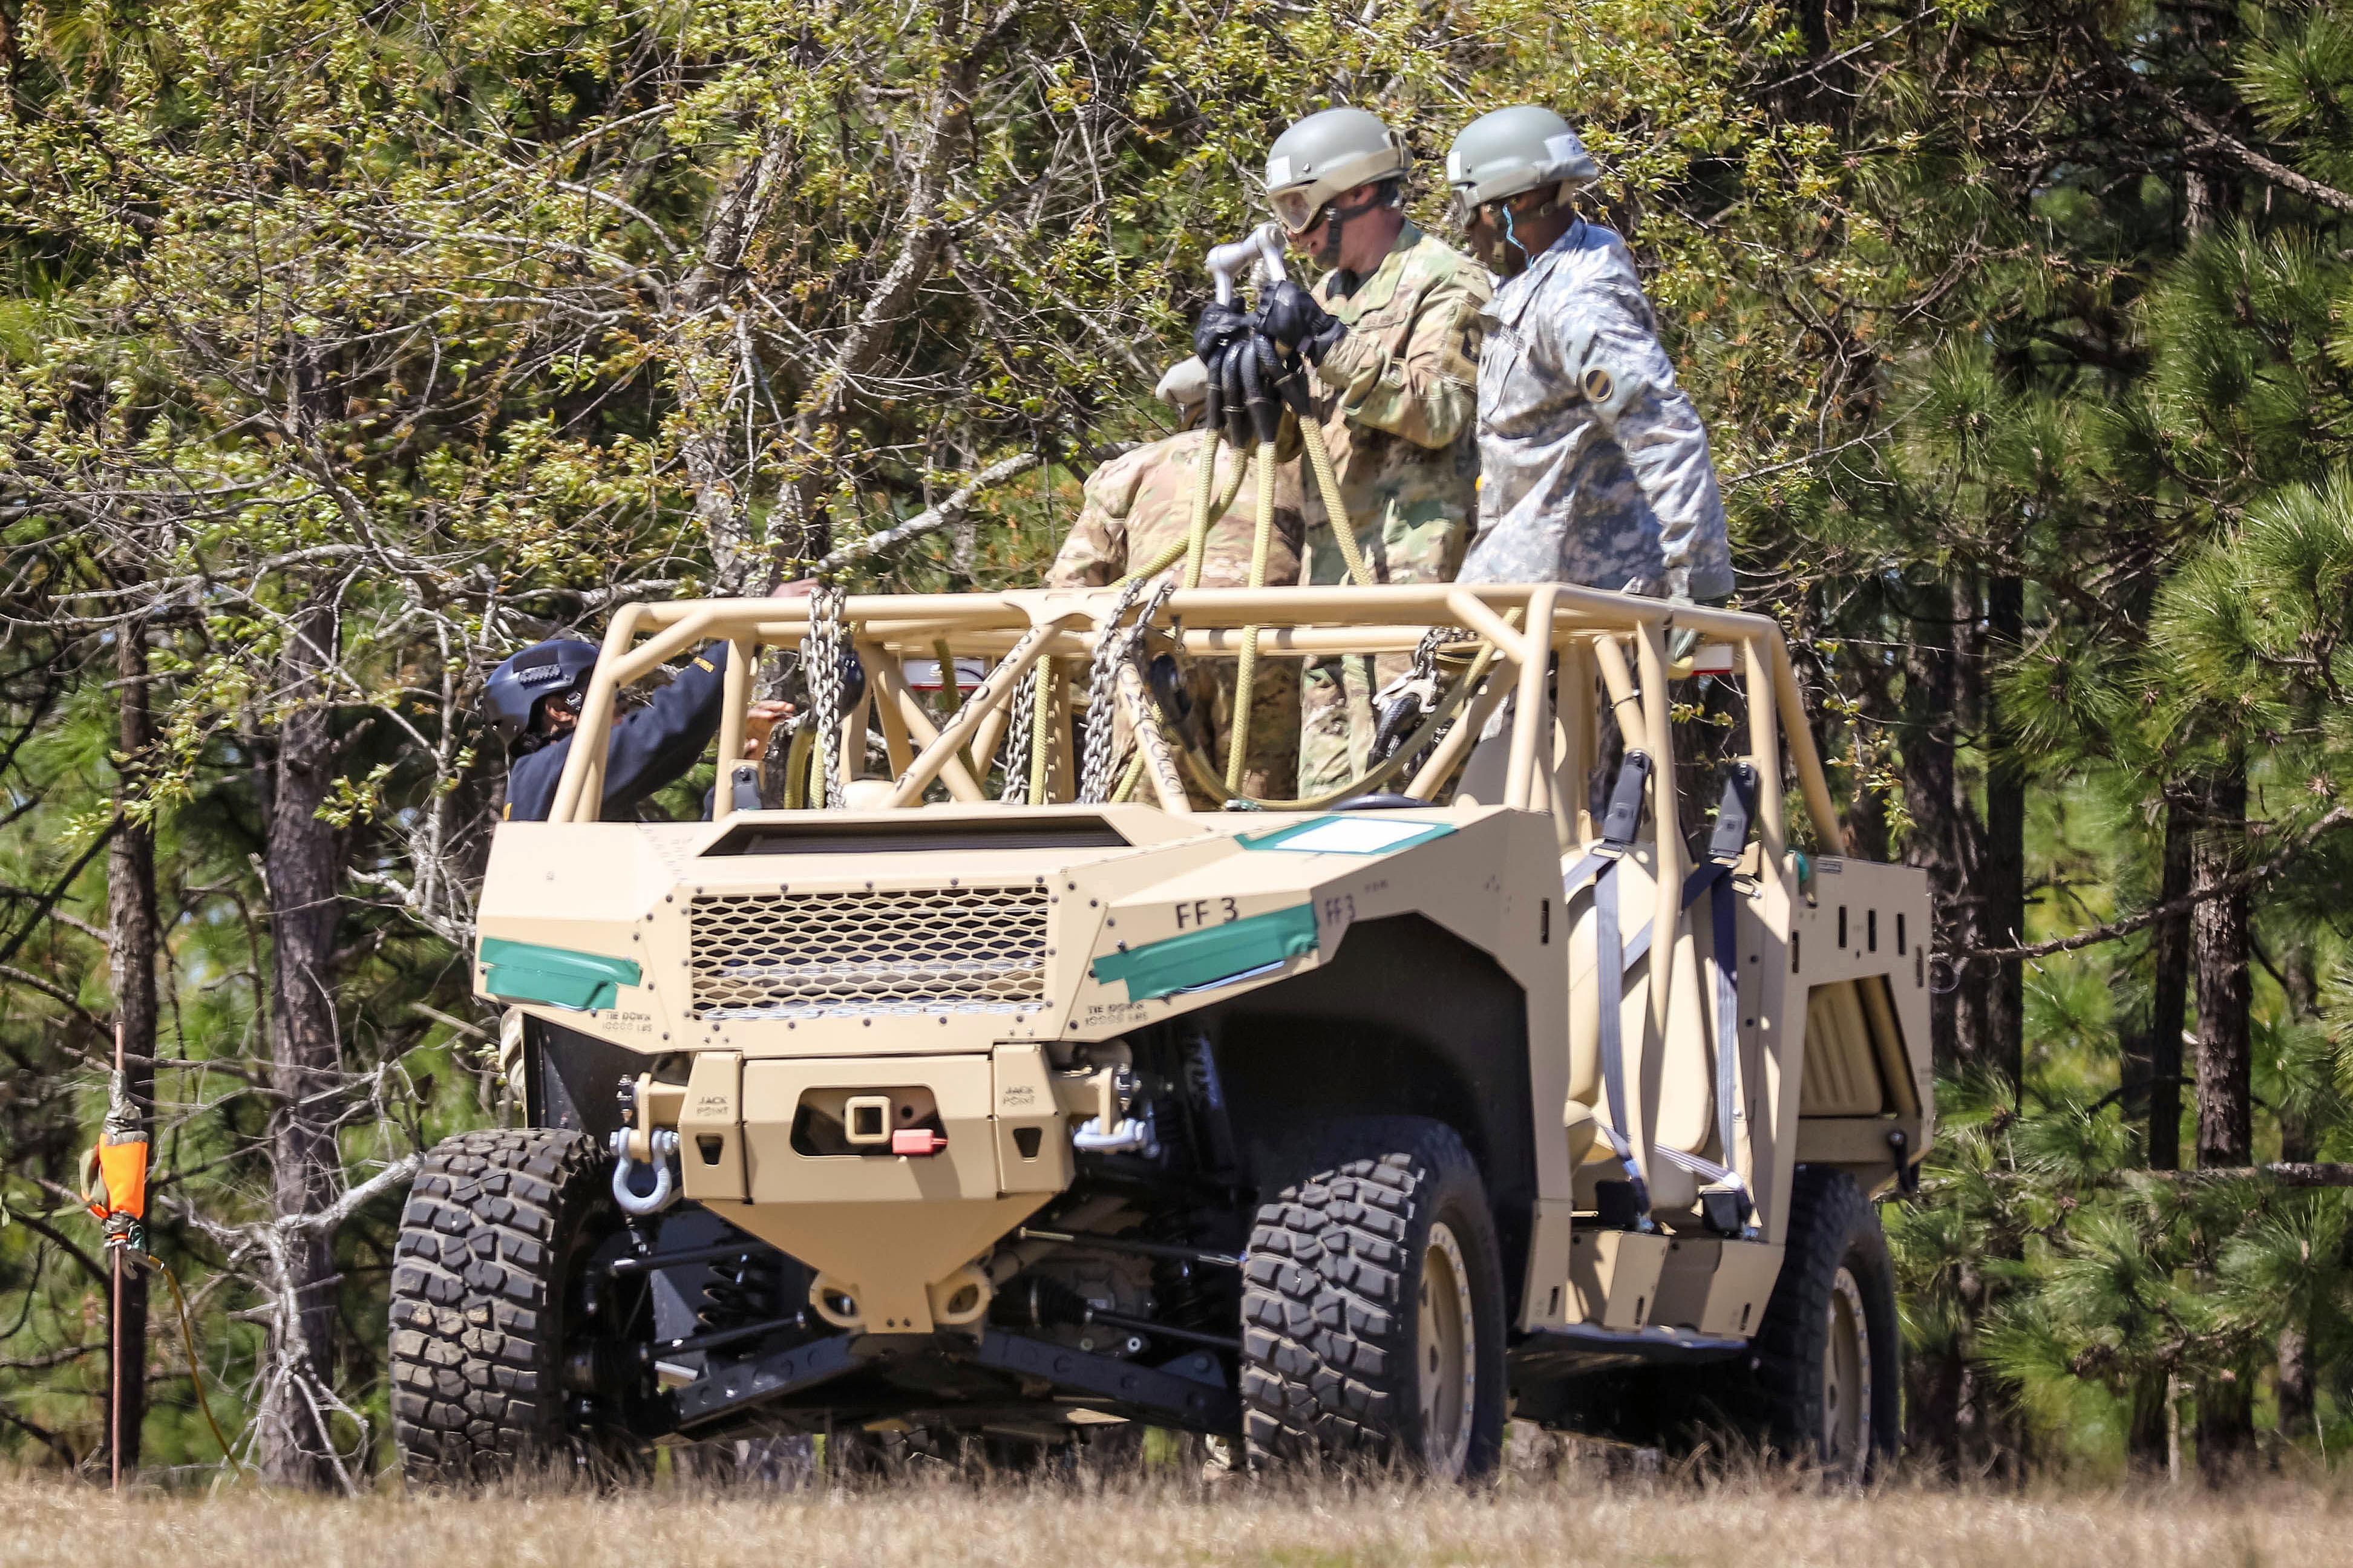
(2168, 990)
(2001, 875)
(2297, 1395)
(306, 1169)
(1878, 712)
(2299, 1137)
(133, 943)
(2226, 1427)
(2145, 1444)
(2219, 945)
(1932, 797)
(1990, 849)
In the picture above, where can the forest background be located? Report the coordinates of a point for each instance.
(345, 348)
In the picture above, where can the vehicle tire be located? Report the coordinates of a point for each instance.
(1825, 1372)
(493, 1325)
(1373, 1309)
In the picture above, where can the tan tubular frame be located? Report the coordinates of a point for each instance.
(1591, 630)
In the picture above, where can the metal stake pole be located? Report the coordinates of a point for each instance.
(114, 1333)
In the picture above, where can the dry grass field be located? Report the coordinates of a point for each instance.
(1783, 1524)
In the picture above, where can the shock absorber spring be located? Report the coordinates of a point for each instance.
(741, 1290)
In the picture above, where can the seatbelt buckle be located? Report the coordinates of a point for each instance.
(1733, 814)
(1725, 1211)
(1624, 818)
(1620, 1205)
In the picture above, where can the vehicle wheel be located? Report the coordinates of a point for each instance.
(498, 1364)
(1825, 1370)
(1373, 1309)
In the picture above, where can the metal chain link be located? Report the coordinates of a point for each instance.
(1114, 646)
(1418, 683)
(821, 658)
(1424, 653)
(1016, 749)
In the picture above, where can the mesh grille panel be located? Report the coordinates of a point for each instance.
(915, 949)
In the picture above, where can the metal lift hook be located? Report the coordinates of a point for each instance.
(1263, 245)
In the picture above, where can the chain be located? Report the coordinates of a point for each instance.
(1417, 685)
(1016, 750)
(821, 658)
(1112, 646)
(1424, 653)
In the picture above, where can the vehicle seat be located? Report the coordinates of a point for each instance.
(1670, 1084)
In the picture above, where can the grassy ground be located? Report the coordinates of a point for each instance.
(1774, 1523)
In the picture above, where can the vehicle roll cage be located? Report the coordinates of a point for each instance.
(1610, 649)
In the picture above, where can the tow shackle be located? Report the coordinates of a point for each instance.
(664, 1143)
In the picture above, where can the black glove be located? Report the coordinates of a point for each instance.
(1218, 325)
(1293, 319)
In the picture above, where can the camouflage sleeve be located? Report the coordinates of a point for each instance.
(1630, 383)
(1094, 552)
(1429, 393)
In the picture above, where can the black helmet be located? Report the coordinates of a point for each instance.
(525, 680)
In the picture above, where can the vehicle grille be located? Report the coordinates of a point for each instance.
(914, 950)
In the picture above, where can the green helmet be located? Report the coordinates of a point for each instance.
(1523, 148)
(1330, 151)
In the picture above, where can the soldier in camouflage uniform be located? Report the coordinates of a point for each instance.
(1392, 331)
(1594, 464)
(1140, 504)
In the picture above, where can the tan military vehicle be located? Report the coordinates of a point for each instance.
(1346, 1128)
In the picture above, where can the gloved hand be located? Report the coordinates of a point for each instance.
(1217, 326)
(1295, 320)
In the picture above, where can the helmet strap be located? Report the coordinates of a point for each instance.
(1336, 219)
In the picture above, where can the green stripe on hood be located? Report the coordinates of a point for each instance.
(1203, 958)
(526, 972)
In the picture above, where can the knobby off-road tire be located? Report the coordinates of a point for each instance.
(1824, 1372)
(496, 1224)
(1373, 1309)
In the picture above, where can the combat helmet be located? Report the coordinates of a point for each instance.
(522, 680)
(1330, 151)
(1502, 154)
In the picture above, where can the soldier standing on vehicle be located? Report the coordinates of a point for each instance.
(1594, 466)
(1137, 508)
(534, 698)
(1392, 332)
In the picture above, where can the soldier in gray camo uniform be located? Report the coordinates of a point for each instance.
(1594, 466)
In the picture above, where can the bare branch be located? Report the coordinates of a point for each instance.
(932, 519)
(2253, 875)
